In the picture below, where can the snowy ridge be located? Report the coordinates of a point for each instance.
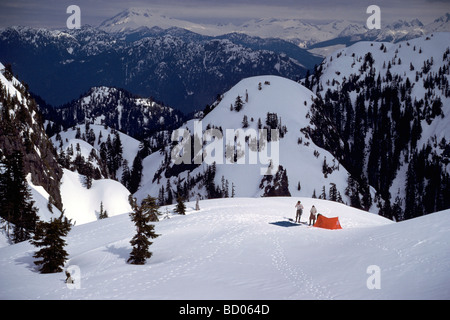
(68, 139)
(298, 155)
(147, 64)
(298, 31)
(241, 249)
(416, 72)
(135, 18)
(22, 131)
(118, 108)
(10, 86)
(82, 205)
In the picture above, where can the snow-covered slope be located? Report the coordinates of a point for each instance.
(303, 161)
(245, 249)
(21, 130)
(403, 87)
(98, 134)
(82, 205)
(118, 108)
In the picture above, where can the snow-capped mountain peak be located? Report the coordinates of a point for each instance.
(135, 18)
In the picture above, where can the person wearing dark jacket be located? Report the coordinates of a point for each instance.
(312, 216)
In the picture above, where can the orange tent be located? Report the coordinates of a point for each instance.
(327, 223)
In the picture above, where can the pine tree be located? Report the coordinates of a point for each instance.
(89, 172)
(325, 167)
(180, 207)
(148, 208)
(410, 190)
(135, 174)
(352, 192)
(126, 174)
(117, 151)
(49, 235)
(238, 104)
(169, 192)
(103, 213)
(323, 195)
(145, 230)
(245, 122)
(7, 72)
(16, 203)
(332, 194)
(161, 196)
(339, 198)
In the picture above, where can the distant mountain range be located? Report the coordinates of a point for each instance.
(300, 32)
(181, 68)
(184, 64)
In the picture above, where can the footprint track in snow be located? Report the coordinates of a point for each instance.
(295, 275)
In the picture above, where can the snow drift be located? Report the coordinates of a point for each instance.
(237, 249)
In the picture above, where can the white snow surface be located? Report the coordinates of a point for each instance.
(82, 205)
(245, 248)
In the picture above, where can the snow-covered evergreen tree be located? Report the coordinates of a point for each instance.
(49, 235)
(144, 230)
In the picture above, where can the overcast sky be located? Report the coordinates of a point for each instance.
(52, 13)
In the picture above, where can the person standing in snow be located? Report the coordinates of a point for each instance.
(312, 215)
(197, 205)
(299, 208)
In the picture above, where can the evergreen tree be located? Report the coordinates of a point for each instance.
(148, 206)
(352, 192)
(332, 194)
(117, 151)
(103, 213)
(357, 152)
(238, 104)
(323, 195)
(169, 192)
(89, 172)
(245, 122)
(339, 198)
(136, 174)
(410, 190)
(126, 174)
(16, 206)
(397, 211)
(7, 72)
(49, 235)
(325, 167)
(145, 230)
(180, 207)
(161, 196)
